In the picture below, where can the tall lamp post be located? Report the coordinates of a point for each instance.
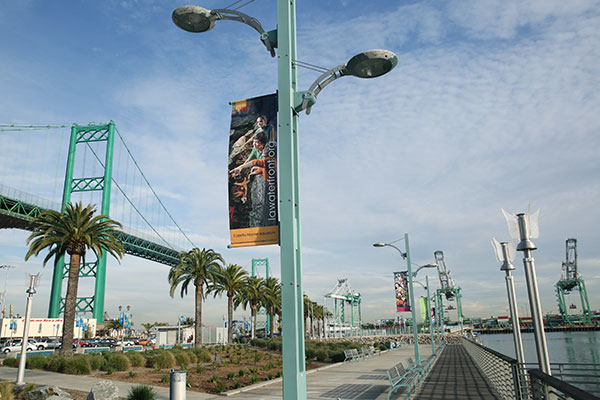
(524, 227)
(33, 283)
(406, 256)
(369, 64)
(426, 286)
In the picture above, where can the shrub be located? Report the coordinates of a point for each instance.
(237, 384)
(55, 363)
(200, 370)
(214, 379)
(242, 372)
(110, 370)
(10, 362)
(321, 355)
(136, 359)
(204, 356)
(230, 375)
(141, 392)
(310, 352)
(132, 374)
(337, 356)
(36, 362)
(220, 387)
(164, 379)
(253, 380)
(97, 361)
(119, 362)
(77, 365)
(160, 359)
(252, 370)
(192, 356)
(6, 389)
(182, 359)
(269, 377)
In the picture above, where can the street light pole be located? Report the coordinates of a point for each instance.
(33, 283)
(519, 229)
(369, 64)
(289, 192)
(406, 255)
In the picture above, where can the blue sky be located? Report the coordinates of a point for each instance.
(490, 106)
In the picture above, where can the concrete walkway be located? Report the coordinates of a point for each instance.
(365, 379)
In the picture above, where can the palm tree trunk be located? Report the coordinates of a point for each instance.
(198, 322)
(271, 322)
(230, 318)
(70, 305)
(253, 322)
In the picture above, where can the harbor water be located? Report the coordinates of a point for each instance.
(563, 347)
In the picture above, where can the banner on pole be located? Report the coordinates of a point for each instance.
(401, 290)
(433, 321)
(423, 307)
(252, 166)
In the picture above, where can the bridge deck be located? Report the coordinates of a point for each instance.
(455, 376)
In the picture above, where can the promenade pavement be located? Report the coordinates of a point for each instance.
(364, 379)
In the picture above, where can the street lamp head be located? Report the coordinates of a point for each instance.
(194, 19)
(371, 64)
(378, 244)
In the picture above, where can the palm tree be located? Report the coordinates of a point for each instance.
(73, 231)
(230, 281)
(195, 266)
(113, 325)
(307, 309)
(272, 300)
(251, 296)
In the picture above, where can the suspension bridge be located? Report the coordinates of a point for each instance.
(93, 159)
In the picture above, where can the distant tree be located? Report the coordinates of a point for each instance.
(73, 231)
(230, 281)
(197, 267)
(252, 294)
(272, 300)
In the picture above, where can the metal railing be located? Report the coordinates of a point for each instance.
(546, 387)
(581, 375)
(502, 372)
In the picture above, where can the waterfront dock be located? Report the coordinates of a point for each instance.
(455, 376)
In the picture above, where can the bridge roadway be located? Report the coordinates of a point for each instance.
(454, 376)
(17, 214)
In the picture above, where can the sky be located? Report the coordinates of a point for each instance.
(490, 107)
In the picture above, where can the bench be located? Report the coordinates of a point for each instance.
(351, 355)
(356, 355)
(400, 377)
(423, 367)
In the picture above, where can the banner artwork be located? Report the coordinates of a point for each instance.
(401, 290)
(252, 165)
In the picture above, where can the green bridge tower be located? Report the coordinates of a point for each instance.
(96, 269)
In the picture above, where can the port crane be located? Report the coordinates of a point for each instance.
(570, 281)
(341, 294)
(448, 287)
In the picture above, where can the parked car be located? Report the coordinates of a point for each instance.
(105, 342)
(15, 345)
(81, 342)
(126, 342)
(49, 343)
(148, 341)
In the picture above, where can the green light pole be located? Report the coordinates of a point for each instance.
(369, 64)
(406, 255)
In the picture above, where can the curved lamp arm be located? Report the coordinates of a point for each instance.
(233, 15)
(424, 266)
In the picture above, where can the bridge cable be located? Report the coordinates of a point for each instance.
(152, 189)
(133, 205)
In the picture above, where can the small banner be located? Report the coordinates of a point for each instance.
(433, 321)
(423, 307)
(401, 290)
(252, 165)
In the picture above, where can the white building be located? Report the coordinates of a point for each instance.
(44, 327)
